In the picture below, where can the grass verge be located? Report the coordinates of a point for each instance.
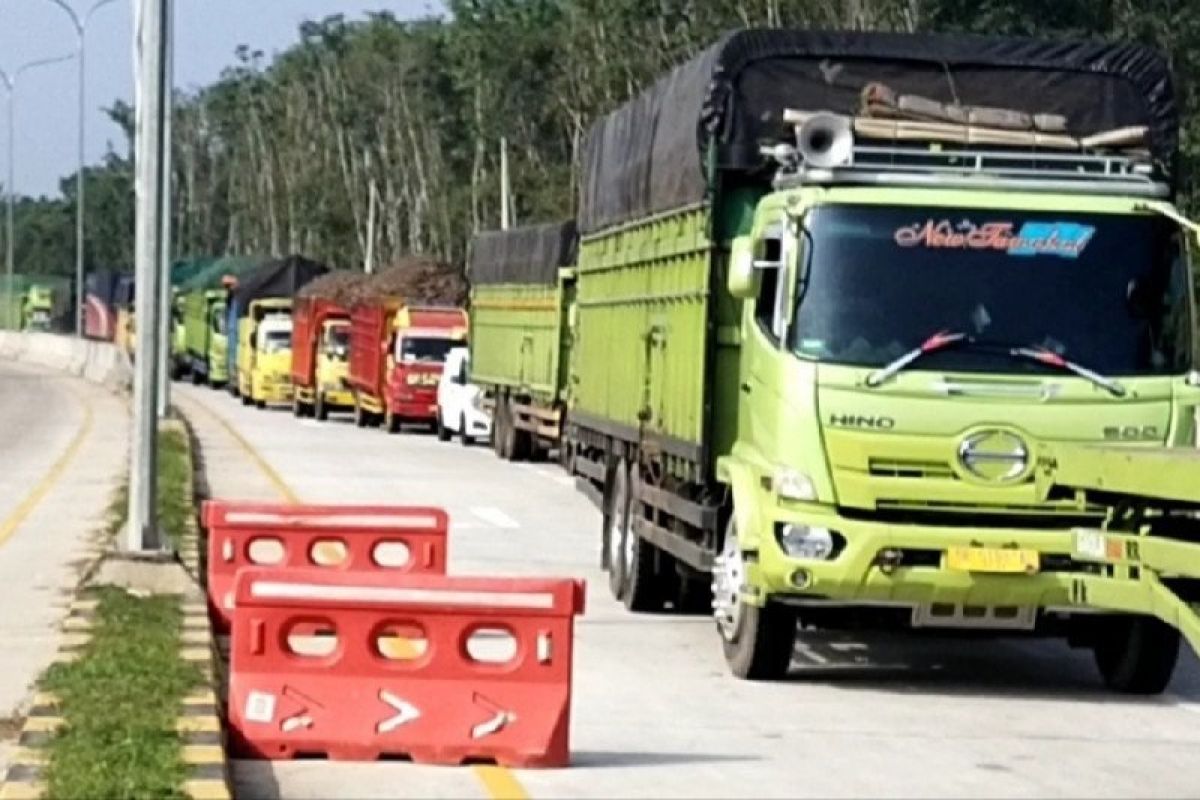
(174, 476)
(121, 698)
(120, 701)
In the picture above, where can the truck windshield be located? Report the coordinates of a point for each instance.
(276, 340)
(426, 349)
(1108, 291)
(337, 341)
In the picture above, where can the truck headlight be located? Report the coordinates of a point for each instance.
(802, 541)
(792, 484)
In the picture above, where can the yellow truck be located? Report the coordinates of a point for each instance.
(320, 357)
(264, 353)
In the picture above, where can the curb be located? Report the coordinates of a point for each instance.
(201, 732)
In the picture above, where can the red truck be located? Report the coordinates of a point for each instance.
(320, 352)
(396, 358)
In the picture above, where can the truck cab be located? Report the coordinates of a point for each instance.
(264, 361)
(333, 366)
(421, 340)
(910, 342)
(218, 342)
(36, 309)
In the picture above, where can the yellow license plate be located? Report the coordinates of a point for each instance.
(991, 559)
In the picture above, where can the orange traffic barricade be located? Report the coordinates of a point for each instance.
(358, 666)
(349, 538)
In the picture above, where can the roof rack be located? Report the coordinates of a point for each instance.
(904, 153)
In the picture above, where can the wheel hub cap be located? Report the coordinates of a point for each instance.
(728, 576)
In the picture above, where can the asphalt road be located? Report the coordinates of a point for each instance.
(62, 447)
(655, 712)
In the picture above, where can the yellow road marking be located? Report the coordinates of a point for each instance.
(499, 782)
(9, 526)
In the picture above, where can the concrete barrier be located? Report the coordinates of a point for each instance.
(101, 363)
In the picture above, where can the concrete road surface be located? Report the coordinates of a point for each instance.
(656, 714)
(62, 448)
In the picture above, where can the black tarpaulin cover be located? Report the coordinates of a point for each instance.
(531, 254)
(276, 278)
(647, 156)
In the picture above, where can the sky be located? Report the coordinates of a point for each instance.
(207, 33)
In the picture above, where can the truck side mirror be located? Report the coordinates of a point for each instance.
(743, 278)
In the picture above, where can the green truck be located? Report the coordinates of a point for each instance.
(37, 308)
(204, 340)
(522, 293)
(841, 301)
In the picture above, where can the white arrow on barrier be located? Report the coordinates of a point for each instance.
(406, 712)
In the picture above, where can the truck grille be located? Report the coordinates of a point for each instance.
(909, 468)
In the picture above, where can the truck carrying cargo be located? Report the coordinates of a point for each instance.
(320, 356)
(100, 309)
(205, 341)
(522, 292)
(268, 290)
(838, 293)
(396, 357)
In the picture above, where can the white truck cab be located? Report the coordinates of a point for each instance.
(459, 408)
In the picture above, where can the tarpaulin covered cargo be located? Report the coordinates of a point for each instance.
(648, 156)
(207, 273)
(531, 254)
(278, 278)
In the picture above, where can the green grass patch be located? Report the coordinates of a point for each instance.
(174, 478)
(120, 701)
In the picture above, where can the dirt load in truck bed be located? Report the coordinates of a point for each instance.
(417, 280)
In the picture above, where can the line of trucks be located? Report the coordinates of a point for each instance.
(850, 329)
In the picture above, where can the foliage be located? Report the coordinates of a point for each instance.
(285, 156)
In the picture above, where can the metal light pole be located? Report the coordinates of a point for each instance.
(166, 322)
(80, 24)
(150, 21)
(10, 86)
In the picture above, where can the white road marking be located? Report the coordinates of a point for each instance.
(495, 517)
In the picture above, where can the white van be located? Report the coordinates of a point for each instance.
(458, 402)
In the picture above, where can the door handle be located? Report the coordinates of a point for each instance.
(745, 387)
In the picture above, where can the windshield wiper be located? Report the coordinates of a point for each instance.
(939, 341)
(1050, 358)
(945, 340)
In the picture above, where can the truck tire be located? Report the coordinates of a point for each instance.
(758, 642)
(616, 523)
(260, 403)
(246, 400)
(297, 408)
(499, 435)
(1137, 655)
(320, 410)
(360, 415)
(391, 423)
(197, 378)
(465, 438)
(443, 433)
(643, 587)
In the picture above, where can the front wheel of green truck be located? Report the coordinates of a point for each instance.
(1136, 655)
(758, 640)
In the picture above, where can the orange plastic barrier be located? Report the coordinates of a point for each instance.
(393, 539)
(356, 666)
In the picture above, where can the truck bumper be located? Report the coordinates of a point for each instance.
(339, 398)
(887, 563)
(415, 410)
(274, 392)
